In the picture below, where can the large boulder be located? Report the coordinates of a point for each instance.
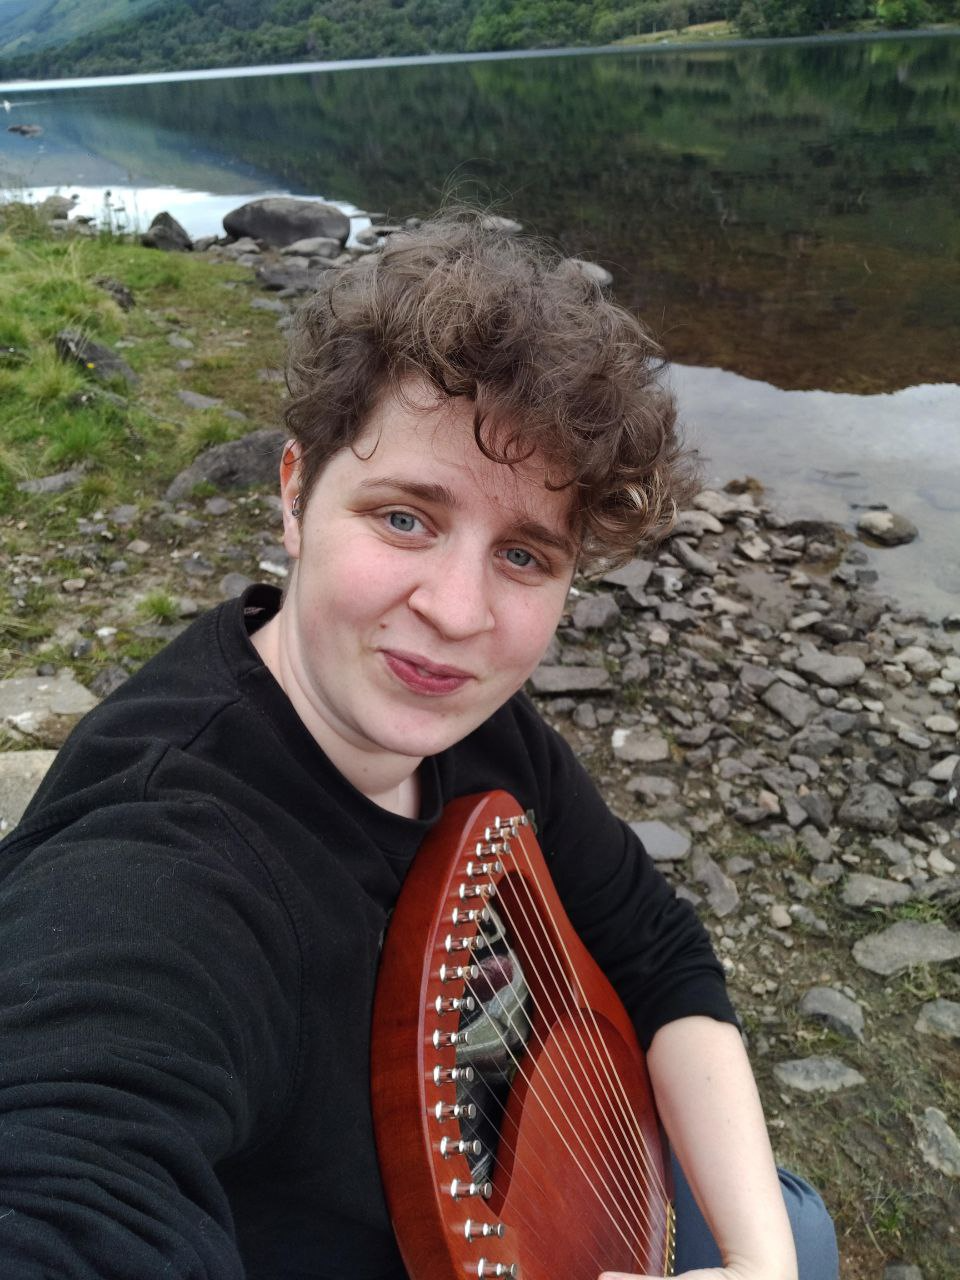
(166, 233)
(282, 220)
(254, 459)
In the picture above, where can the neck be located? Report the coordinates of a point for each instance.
(389, 780)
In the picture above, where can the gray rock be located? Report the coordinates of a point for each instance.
(826, 1004)
(870, 808)
(254, 459)
(887, 527)
(818, 807)
(723, 506)
(194, 400)
(663, 843)
(634, 575)
(596, 612)
(562, 679)
(93, 358)
(817, 1075)
(819, 848)
(282, 220)
(794, 707)
(166, 233)
(905, 944)
(940, 1018)
(938, 1143)
(869, 891)
(21, 772)
(694, 524)
(44, 707)
(107, 680)
(313, 247)
(289, 279)
(723, 895)
(755, 678)
(693, 560)
(56, 483)
(640, 746)
(652, 788)
(835, 670)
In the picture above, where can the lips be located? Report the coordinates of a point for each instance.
(422, 676)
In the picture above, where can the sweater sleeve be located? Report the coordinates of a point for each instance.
(649, 943)
(148, 1024)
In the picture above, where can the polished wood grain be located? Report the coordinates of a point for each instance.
(579, 1185)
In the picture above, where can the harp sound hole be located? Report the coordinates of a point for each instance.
(499, 1026)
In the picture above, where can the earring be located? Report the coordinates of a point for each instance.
(296, 509)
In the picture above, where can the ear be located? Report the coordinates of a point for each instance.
(289, 491)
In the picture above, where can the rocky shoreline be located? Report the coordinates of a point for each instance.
(787, 743)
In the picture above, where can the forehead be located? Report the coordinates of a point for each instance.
(425, 439)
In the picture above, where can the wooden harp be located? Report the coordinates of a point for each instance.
(575, 1178)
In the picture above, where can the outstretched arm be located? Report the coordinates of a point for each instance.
(711, 1111)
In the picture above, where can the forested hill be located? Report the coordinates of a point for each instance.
(41, 38)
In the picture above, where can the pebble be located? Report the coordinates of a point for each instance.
(868, 891)
(795, 707)
(564, 679)
(938, 1143)
(817, 1075)
(887, 527)
(940, 1018)
(637, 746)
(870, 808)
(662, 843)
(837, 1010)
(904, 945)
(835, 670)
(941, 724)
(596, 612)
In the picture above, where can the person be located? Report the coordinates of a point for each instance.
(193, 905)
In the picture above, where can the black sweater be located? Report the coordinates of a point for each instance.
(190, 918)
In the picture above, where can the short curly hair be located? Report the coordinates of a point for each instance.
(552, 366)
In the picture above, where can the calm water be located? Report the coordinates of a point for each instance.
(786, 218)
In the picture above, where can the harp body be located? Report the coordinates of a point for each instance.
(580, 1179)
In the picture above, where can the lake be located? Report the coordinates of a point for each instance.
(784, 216)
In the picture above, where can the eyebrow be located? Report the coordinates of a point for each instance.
(440, 495)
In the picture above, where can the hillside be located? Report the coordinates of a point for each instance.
(50, 38)
(28, 25)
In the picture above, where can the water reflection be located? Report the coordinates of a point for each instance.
(785, 212)
(825, 454)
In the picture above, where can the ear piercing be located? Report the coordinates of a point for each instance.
(296, 509)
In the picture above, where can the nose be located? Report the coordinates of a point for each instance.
(454, 594)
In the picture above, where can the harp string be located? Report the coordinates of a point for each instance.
(641, 1214)
(606, 1195)
(598, 1052)
(656, 1184)
(530, 1220)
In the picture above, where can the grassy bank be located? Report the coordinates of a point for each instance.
(127, 442)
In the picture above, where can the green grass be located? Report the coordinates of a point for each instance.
(54, 416)
(159, 606)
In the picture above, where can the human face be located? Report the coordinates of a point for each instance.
(428, 583)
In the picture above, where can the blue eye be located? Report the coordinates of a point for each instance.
(402, 521)
(517, 556)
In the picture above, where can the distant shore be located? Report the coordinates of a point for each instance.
(648, 44)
